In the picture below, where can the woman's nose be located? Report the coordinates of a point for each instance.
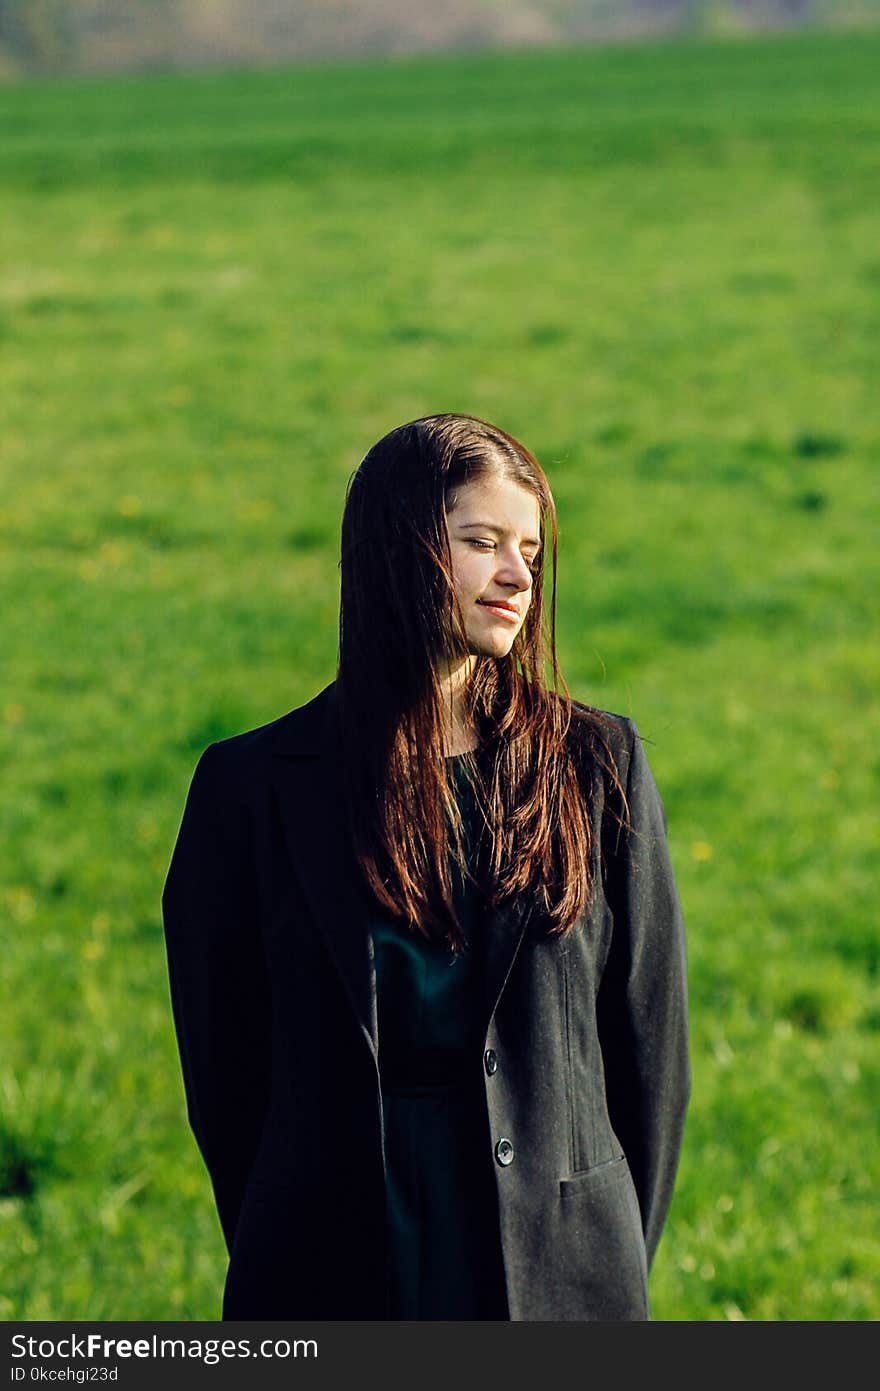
(515, 570)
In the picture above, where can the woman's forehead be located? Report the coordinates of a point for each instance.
(498, 501)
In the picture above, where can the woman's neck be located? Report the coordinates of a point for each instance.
(460, 743)
(459, 731)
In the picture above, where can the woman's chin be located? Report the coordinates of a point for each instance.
(495, 646)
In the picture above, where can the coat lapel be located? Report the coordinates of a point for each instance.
(501, 935)
(311, 798)
(310, 789)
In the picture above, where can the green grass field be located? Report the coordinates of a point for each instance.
(659, 266)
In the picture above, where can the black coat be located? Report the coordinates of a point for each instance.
(274, 999)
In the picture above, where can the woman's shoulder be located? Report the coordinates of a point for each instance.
(300, 732)
(601, 733)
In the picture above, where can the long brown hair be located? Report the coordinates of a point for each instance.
(398, 612)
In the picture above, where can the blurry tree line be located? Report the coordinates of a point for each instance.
(37, 33)
(57, 36)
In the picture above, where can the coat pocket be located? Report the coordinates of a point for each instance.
(587, 1179)
(602, 1235)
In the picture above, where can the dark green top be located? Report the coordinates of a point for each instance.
(444, 1251)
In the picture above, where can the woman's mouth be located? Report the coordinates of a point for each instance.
(511, 614)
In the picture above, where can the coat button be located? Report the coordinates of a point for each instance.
(504, 1152)
(491, 1061)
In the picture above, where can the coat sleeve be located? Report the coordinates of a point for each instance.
(218, 982)
(642, 1001)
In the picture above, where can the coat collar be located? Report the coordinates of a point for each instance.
(309, 784)
(308, 731)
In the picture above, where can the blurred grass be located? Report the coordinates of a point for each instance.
(659, 266)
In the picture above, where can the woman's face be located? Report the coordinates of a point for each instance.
(494, 536)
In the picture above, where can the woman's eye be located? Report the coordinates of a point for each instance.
(534, 563)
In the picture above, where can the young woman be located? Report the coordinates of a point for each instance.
(425, 948)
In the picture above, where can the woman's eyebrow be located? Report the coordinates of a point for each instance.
(499, 531)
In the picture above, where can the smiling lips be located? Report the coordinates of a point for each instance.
(502, 608)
